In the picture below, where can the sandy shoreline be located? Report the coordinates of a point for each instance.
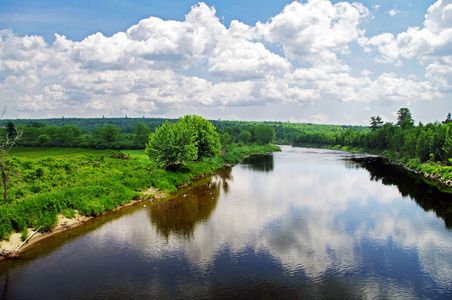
(7, 248)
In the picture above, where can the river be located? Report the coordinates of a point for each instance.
(297, 224)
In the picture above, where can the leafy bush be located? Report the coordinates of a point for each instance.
(47, 221)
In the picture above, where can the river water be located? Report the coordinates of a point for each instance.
(297, 224)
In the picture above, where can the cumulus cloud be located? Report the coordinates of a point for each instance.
(314, 31)
(430, 44)
(158, 66)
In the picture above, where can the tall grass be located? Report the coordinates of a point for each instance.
(45, 182)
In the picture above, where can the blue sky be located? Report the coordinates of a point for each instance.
(316, 61)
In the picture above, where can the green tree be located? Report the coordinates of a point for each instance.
(410, 144)
(11, 130)
(207, 138)
(141, 135)
(226, 142)
(105, 135)
(423, 146)
(171, 144)
(37, 124)
(447, 148)
(264, 135)
(244, 137)
(404, 118)
(43, 140)
(68, 135)
(375, 123)
(8, 140)
(448, 119)
(234, 131)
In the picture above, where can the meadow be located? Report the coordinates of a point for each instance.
(45, 182)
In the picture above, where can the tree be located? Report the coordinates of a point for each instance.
(11, 130)
(171, 144)
(191, 138)
(410, 144)
(376, 123)
(105, 135)
(448, 119)
(234, 131)
(447, 148)
(404, 119)
(226, 142)
(264, 135)
(141, 135)
(43, 140)
(8, 140)
(207, 138)
(423, 146)
(244, 137)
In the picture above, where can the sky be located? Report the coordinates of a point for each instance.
(310, 61)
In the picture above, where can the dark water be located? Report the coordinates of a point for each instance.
(300, 224)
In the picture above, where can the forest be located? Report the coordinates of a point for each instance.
(423, 148)
(402, 140)
(132, 133)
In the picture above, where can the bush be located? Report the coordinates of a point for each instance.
(47, 221)
(24, 234)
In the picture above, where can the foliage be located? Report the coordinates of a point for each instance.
(404, 118)
(264, 135)
(207, 138)
(8, 139)
(414, 146)
(226, 143)
(45, 182)
(191, 138)
(172, 144)
(376, 123)
(132, 133)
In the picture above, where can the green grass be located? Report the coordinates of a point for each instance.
(237, 153)
(36, 152)
(136, 154)
(45, 182)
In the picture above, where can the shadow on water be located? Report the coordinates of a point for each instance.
(192, 206)
(259, 163)
(427, 196)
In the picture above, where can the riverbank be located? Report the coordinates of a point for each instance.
(93, 188)
(435, 172)
(11, 249)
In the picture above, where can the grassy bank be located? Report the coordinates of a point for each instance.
(433, 172)
(237, 153)
(45, 182)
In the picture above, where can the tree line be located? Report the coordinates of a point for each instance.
(403, 140)
(111, 136)
(121, 134)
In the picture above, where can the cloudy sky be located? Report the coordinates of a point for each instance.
(316, 61)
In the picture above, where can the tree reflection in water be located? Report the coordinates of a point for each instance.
(181, 214)
(260, 163)
(427, 196)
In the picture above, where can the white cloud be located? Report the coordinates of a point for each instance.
(431, 44)
(314, 31)
(394, 11)
(158, 66)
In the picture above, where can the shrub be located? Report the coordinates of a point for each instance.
(24, 234)
(47, 221)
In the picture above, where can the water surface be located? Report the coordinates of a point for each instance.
(302, 223)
